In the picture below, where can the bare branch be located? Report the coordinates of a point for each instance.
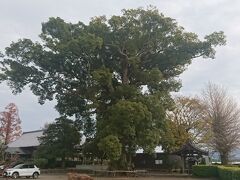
(224, 115)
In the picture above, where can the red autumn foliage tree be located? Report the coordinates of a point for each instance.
(10, 124)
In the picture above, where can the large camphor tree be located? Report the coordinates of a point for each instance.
(113, 75)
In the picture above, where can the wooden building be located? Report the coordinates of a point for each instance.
(183, 159)
(25, 145)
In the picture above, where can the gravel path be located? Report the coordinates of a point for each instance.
(64, 177)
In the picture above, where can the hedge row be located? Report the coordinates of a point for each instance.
(228, 173)
(205, 171)
(224, 173)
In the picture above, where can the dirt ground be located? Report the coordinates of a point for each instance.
(64, 177)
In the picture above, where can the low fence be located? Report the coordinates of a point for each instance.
(93, 167)
(104, 173)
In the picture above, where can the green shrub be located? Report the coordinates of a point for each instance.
(41, 162)
(229, 173)
(223, 172)
(205, 171)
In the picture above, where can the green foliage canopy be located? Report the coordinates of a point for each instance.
(59, 140)
(111, 146)
(186, 121)
(94, 70)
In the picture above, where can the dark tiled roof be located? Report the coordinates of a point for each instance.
(27, 139)
(190, 148)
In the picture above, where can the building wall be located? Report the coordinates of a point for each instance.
(157, 161)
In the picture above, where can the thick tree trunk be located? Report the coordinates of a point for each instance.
(125, 75)
(125, 65)
(224, 158)
(126, 160)
(124, 163)
(63, 162)
(130, 162)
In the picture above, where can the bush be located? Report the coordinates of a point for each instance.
(229, 173)
(223, 172)
(71, 164)
(41, 162)
(205, 171)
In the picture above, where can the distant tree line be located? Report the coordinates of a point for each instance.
(211, 120)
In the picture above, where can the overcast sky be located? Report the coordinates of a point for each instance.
(23, 18)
